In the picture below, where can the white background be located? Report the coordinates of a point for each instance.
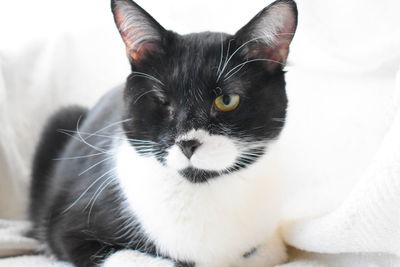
(341, 84)
(341, 78)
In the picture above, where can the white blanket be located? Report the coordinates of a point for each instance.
(12, 239)
(368, 220)
(19, 251)
(339, 152)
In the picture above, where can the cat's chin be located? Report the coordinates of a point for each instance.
(195, 175)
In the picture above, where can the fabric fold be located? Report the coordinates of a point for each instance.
(369, 219)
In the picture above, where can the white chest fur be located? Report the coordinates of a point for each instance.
(212, 223)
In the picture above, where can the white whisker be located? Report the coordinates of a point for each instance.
(222, 54)
(145, 93)
(108, 126)
(144, 75)
(246, 62)
(79, 157)
(83, 140)
(87, 189)
(102, 151)
(227, 51)
(279, 119)
(103, 186)
(94, 165)
(108, 136)
(240, 47)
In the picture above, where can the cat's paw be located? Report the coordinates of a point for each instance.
(269, 254)
(132, 258)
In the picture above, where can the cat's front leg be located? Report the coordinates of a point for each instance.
(133, 258)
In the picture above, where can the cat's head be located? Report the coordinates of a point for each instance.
(205, 104)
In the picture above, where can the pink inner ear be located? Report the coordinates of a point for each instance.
(120, 19)
(279, 50)
(279, 53)
(140, 52)
(136, 32)
(275, 56)
(278, 24)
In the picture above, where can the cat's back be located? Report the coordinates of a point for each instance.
(64, 148)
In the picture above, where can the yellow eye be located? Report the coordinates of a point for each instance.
(227, 102)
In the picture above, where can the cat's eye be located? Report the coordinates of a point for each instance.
(227, 102)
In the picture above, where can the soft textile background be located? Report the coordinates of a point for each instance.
(341, 84)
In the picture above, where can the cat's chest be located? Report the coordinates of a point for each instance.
(214, 221)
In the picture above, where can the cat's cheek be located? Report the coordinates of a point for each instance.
(176, 159)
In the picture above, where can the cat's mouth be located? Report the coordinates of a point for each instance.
(199, 156)
(195, 175)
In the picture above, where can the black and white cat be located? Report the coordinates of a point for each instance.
(169, 169)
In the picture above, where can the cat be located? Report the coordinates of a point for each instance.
(169, 168)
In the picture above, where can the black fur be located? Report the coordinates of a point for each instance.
(50, 146)
(76, 202)
(83, 242)
(193, 60)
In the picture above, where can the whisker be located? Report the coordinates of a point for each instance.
(146, 149)
(108, 126)
(249, 157)
(227, 51)
(146, 146)
(103, 186)
(246, 62)
(145, 93)
(222, 54)
(279, 119)
(240, 47)
(94, 165)
(83, 140)
(109, 136)
(112, 176)
(258, 128)
(86, 190)
(79, 157)
(144, 75)
(234, 72)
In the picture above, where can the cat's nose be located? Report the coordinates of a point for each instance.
(188, 147)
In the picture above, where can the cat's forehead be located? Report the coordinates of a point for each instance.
(198, 48)
(202, 40)
(195, 60)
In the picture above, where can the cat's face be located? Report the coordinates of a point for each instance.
(205, 104)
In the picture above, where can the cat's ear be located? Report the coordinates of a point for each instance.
(268, 35)
(141, 32)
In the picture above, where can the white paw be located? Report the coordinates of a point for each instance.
(269, 254)
(302, 264)
(132, 258)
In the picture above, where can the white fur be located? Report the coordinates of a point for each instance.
(216, 152)
(135, 259)
(213, 223)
